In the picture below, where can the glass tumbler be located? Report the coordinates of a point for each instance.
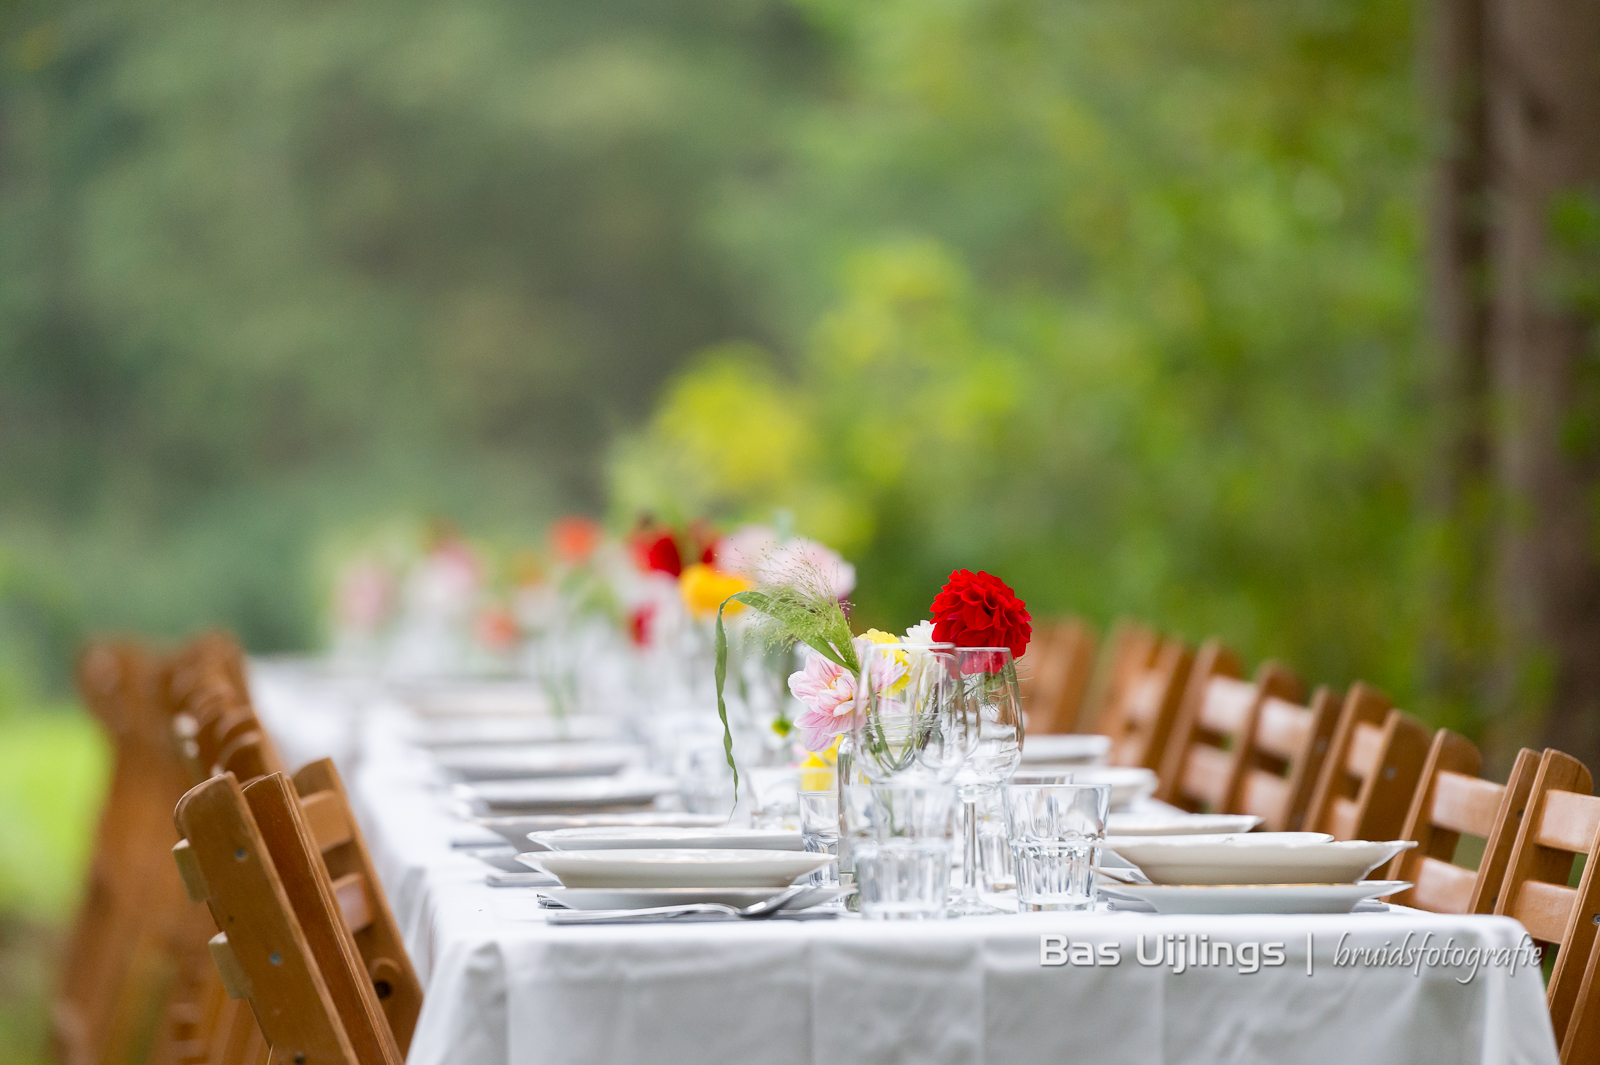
(900, 837)
(819, 831)
(1056, 831)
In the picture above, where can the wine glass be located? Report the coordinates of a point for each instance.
(988, 685)
(911, 721)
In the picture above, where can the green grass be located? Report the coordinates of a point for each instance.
(54, 767)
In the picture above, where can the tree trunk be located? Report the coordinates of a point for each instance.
(1544, 136)
(1460, 640)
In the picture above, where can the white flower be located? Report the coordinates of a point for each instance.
(920, 634)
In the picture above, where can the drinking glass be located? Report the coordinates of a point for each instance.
(819, 831)
(900, 839)
(911, 722)
(1056, 831)
(987, 681)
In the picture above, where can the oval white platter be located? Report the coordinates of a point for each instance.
(625, 837)
(1254, 898)
(535, 761)
(640, 898)
(1179, 824)
(1256, 858)
(675, 867)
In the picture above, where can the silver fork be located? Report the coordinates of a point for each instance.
(767, 907)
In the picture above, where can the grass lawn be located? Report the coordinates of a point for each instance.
(53, 770)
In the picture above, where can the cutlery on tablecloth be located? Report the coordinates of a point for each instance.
(766, 908)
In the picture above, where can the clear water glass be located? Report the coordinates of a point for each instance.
(900, 840)
(988, 687)
(910, 720)
(819, 831)
(1056, 831)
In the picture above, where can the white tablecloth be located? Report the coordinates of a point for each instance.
(502, 986)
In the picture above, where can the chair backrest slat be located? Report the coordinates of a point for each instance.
(1244, 747)
(1369, 777)
(1129, 651)
(1451, 801)
(1057, 671)
(1150, 705)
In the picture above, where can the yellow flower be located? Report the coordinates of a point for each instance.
(818, 769)
(704, 588)
(900, 657)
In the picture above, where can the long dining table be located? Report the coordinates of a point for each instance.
(503, 986)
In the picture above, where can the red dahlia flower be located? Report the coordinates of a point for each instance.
(657, 552)
(981, 610)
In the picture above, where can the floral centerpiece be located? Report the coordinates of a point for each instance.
(796, 595)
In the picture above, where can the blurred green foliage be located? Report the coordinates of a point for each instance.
(273, 271)
(1128, 314)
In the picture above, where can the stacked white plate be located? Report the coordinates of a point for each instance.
(644, 837)
(564, 795)
(1128, 823)
(632, 878)
(1262, 872)
(476, 731)
(515, 828)
(1064, 748)
(535, 761)
(1129, 784)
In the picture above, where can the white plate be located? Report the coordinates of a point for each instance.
(471, 731)
(641, 898)
(675, 867)
(1254, 898)
(1256, 858)
(1067, 747)
(474, 698)
(1129, 784)
(1180, 824)
(574, 793)
(514, 829)
(625, 837)
(535, 761)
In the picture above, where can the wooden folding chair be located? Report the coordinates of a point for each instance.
(1059, 665)
(1452, 801)
(1562, 822)
(1196, 771)
(281, 942)
(1288, 746)
(1241, 747)
(1129, 650)
(1150, 703)
(1374, 762)
(133, 924)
